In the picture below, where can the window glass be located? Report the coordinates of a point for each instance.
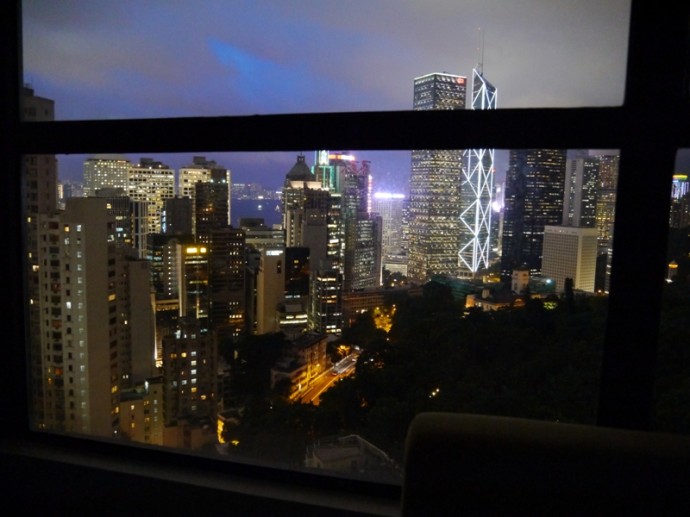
(129, 59)
(300, 308)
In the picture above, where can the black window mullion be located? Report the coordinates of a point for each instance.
(14, 378)
(655, 109)
(394, 130)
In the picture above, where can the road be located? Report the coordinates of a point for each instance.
(323, 382)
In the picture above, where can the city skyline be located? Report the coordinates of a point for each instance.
(99, 60)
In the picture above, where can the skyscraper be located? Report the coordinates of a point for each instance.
(570, 252)
(476, 191)
(580, 197)
(361, 229)
(535, 184)
(353, 231)
(211, 206)
(680, 201)
(105, 171)
(96, 323)
(40, 187)
(326, 299)
(390, 207)
(305, 211)
(206, 171)
(605, 213)
(152, 182)
(227, 281)
(434, 230)
(189, 373)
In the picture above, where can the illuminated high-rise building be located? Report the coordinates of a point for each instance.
(130, 219)
(211, 210)
(96, 322)
(227, 281)
(270, 288)
(434, 226)
(152, 182)
(361, 229)
(570, 252)
(389, 206)
(190, 375)
(39, 179)
(203, 171)
(605, 214)
(580, 196)
(326, 299)
(535, 184)
(306, 205)
(680, 186)
(680, 202)
(354, 232)
(194, 287)
(105, 171)
(476, 191)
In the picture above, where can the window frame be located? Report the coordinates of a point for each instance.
(648, 128)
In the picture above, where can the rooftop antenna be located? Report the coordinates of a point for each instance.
(480, 51)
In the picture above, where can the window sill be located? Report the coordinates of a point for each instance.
(45, 476)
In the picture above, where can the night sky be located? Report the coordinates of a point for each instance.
(103, 59)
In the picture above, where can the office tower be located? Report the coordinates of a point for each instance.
(363, 260)
(680, 186)
(580, 197)
(535, 184)
(216, 198)
(680, 202)
(265, 278)
(152, 182)
(361, 229)
(139, 314)
(476, 191)
(105, 171)
(94, 323)
(39, 179)
(353, 231)
(605, 214)
(297, 267)
(189, 175)
(227, 282)
(306, 205)
(497, 220)
(389, 206)
(211, 208)
(194, 291)
(177, 216)
(189, 373)
(181, 274)
(68, 189)
(435, 187)
(293, 312)
(326, 305)
(130, 220)
(570, 252)
(166, 275)
(328, 169)
(259, 236)
(270, 287)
